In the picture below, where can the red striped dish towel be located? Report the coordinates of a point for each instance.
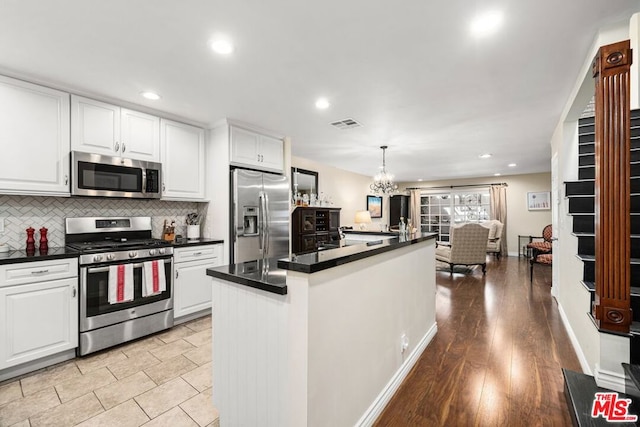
(120, 283)
(154, 278)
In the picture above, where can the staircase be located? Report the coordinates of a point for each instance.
(579, 388)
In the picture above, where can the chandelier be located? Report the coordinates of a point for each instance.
(383, 181)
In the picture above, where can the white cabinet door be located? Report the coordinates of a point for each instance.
(95, 126)
(192, 287)
(271, 153)
(34, 133)
(256, 151)
(183, 163)
(140, 136)
(101, 128)
(37, 320)
(245, 146)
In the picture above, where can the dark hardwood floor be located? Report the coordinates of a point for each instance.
(497, 357)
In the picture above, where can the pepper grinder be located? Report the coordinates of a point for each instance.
(44, 243)
(31, 243)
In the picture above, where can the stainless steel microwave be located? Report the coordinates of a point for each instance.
(106, 176)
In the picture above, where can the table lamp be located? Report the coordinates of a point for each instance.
(362, 218)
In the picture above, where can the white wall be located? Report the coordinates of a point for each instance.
(519, 219)
(346, 189)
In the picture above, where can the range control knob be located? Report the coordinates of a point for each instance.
(133, 254)
(152, 251)
(111, 257)
(161, 251)
(97, 258)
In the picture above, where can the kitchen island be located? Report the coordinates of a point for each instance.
(323, 338)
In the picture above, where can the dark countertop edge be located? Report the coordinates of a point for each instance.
(372, 233)
(185, 242)
(315, 207)
(366, 252)
(16, 257)
(252, 283)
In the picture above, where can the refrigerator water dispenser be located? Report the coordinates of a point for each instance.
(250, 220)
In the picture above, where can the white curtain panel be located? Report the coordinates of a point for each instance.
(498, 206)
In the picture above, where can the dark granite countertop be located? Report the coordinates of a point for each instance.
(260, 274)
(14, 257)
(329, 258)
(178, 243)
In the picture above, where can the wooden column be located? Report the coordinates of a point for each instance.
(612, 305)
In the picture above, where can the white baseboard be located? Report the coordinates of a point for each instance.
(34, 365)
(609, 379)
(574, 342)
(380, 402)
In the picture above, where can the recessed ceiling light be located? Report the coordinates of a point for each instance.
(221, 46)
(420, 179)
(512, 165)
(322, 104)
(150, 95)
(497, 174)
(485, 155)
(486, 23)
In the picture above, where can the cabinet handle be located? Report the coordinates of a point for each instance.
(117, 146)
(73, 293)
(261, 158)
(258, 157)
(176, 274)
(197, 253)
(66, 179)
(40, 272)
(124, 147)
(163, 187)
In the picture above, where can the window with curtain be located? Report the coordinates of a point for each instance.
(439, 210)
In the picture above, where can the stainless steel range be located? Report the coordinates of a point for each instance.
(106, 244)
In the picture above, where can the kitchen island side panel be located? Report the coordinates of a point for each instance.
(249, 350)
(358, 314)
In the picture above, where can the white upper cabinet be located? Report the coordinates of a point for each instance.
(140, 135)
(256, 151)
(34, 134)
(183, 161)
(101, 128)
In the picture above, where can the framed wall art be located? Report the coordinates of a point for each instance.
(539, 200)
(374, 206)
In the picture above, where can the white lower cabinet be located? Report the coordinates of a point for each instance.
(39, 313)
(192, 287)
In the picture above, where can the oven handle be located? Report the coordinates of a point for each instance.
(106, 269)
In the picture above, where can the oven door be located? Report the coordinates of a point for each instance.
(97, 312)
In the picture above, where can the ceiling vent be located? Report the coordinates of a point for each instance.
(346, 124)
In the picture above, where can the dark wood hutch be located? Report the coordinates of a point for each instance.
(312, 227)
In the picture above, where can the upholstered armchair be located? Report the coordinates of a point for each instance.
(495, 236)
(467, 246)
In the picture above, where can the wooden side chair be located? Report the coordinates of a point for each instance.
(543, 246)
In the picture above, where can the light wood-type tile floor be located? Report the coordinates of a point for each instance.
(160, 380)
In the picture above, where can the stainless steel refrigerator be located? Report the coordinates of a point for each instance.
(260, 205)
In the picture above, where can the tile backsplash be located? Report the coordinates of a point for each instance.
(22, 212)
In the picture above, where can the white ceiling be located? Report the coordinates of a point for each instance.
(409, 71)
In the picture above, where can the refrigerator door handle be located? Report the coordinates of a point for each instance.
(267, 221)
(260, 221)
